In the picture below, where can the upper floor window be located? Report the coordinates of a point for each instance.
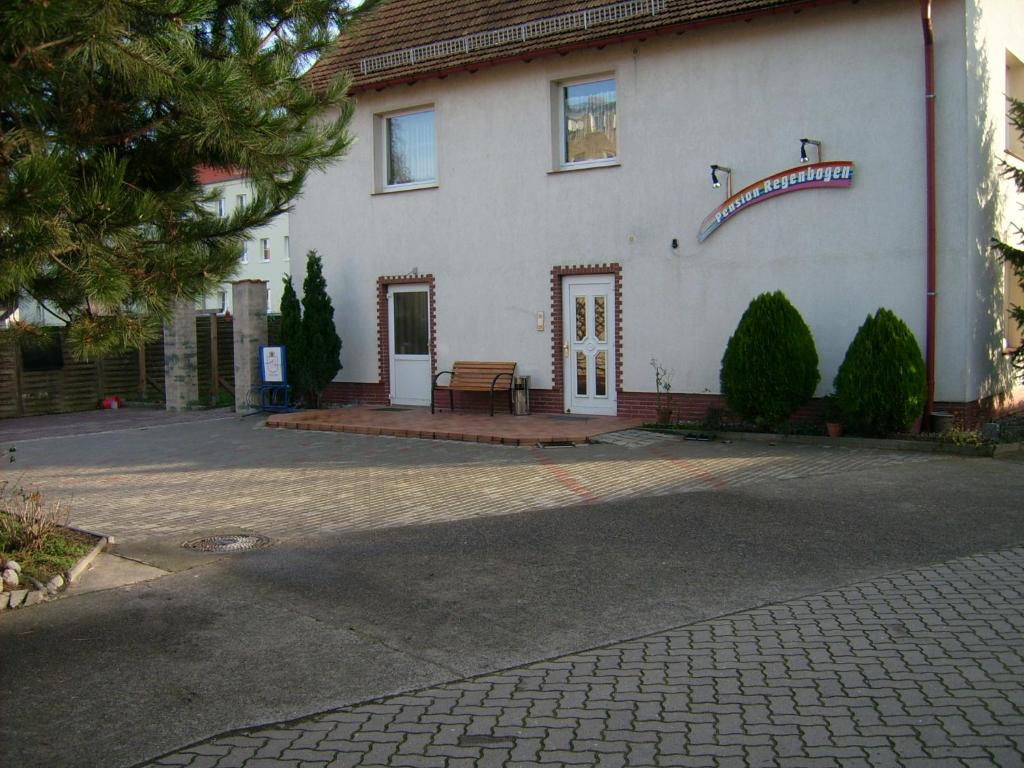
(220, 207)
(1014, 90)
(409, 149)
(287, 249)
(587, 122)
(265, 248)
(245, 252)
(239, 201)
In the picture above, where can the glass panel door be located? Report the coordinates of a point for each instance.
(409, 344)
(589, 352)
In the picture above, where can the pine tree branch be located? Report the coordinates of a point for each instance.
(41, 47)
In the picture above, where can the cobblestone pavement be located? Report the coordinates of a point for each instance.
(230, 474)
(924, 667)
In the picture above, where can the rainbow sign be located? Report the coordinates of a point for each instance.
(836, 174)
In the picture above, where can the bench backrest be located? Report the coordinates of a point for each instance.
(478, 377)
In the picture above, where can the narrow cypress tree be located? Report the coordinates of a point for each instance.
(292, 338)
(322, 348)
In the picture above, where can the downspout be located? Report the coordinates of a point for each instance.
(929, 118)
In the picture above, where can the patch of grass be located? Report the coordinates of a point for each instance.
(33, 533)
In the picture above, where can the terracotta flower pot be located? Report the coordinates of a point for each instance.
(835, 429)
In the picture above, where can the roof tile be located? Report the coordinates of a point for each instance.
(397, 25)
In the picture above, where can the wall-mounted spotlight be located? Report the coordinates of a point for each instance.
(803, 149)
(715, 169)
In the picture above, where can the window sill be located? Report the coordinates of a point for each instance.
(405, 188)
(584, 167)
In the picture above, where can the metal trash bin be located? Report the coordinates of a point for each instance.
(521, 395)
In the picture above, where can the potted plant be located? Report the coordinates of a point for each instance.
(662, 388)
(833, 423)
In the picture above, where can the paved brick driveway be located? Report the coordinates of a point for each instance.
(226, 474)
(920, 668)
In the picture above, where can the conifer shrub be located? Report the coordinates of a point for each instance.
(321, 343)
(292, 338)
(882, 385)
(770, 366)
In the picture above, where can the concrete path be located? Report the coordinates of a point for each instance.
(400, 565)
(923, 667)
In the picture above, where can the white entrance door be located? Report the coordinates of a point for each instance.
(589, 345)
(409, 342)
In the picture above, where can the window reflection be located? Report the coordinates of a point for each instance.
(590, 121)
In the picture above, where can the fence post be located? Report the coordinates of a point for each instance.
(181, 368)
(249, 333)
(214, 360)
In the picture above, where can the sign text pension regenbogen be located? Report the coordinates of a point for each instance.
(815, 176)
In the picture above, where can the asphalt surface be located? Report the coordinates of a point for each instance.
(118, 677)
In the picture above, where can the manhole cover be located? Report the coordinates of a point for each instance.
(240, 542)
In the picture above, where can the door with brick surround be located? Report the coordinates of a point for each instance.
(409, 344)
(588, 349)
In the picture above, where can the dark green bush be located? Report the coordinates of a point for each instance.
(881, 385)
(770, 366)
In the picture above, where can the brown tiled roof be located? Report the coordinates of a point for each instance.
(397, 25)
(206, 174)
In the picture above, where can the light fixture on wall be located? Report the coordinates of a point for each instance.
(715, 169)
(803, 149)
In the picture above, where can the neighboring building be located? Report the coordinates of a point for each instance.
(529, 182)
(266, 255)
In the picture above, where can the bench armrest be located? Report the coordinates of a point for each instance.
(442, 373)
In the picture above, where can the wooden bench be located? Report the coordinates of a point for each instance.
(476, 377)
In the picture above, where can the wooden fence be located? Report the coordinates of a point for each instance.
(72, 385)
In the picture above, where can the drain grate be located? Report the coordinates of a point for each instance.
(240, 542)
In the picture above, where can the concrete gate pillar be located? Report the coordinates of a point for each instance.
(249, 304)
(181, 362)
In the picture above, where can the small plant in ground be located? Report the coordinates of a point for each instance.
(29, 520)
(881, 385)
(662, 391)
(33, 533)
(714, 418)
(770, 366)
(958, 434)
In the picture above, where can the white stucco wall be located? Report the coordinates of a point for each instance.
(993, 28)
(280, 263)
(741, 95)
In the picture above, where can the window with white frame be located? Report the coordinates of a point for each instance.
(239, 201)
(220, 207)
(265, 248)
(222, 301)
(1014, 91)
(245, 252)
(287, 249)
(408, 149)
(587, 122)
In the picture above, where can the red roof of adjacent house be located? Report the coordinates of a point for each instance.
(206, 174)
(396, 26)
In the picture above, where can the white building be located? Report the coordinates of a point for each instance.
(518, 162)
(266, 254)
